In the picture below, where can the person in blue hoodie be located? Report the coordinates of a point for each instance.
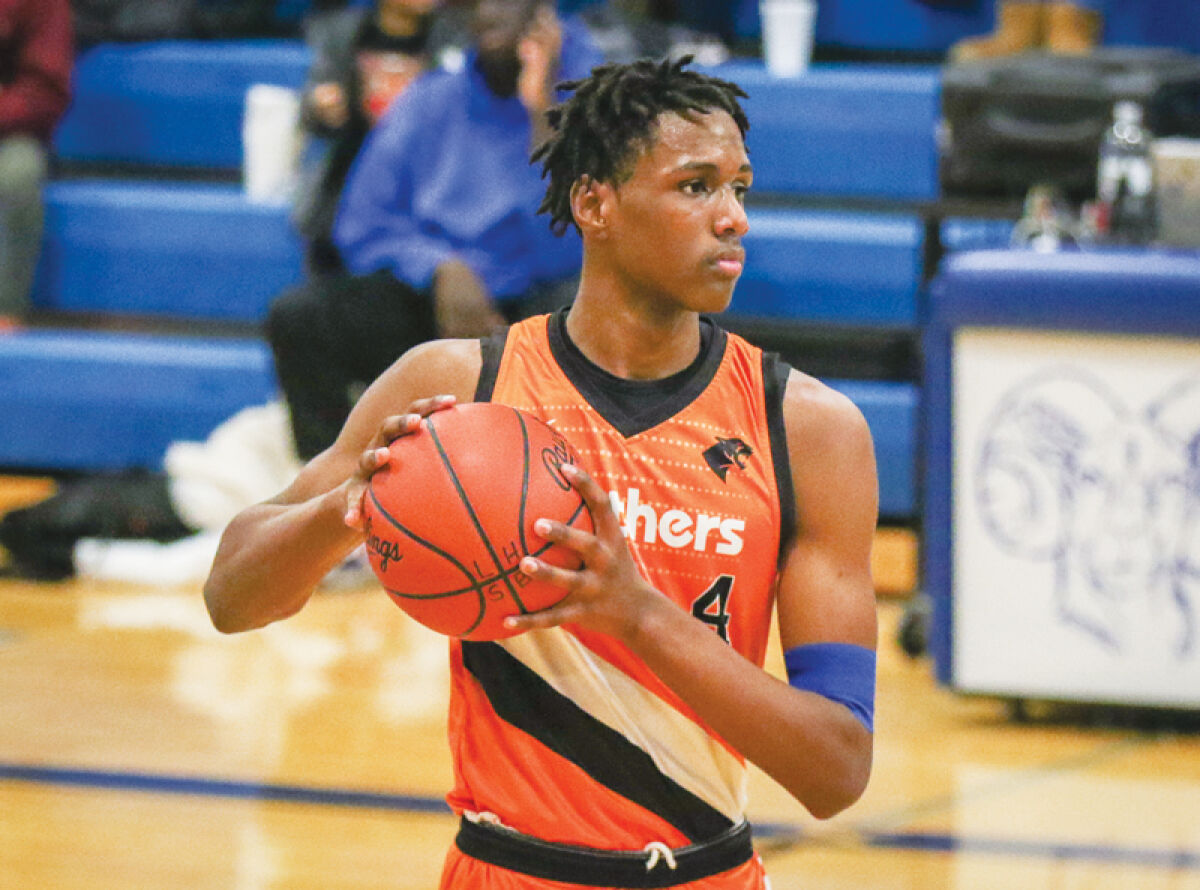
(437, 224)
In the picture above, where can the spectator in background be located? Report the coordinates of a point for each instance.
(363, 57)
(36, 58)
(437, 221)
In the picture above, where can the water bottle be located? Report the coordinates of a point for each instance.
(1125, 176)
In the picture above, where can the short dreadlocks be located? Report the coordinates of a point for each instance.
(612, 116)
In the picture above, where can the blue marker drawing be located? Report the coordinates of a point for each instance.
(1069, 474)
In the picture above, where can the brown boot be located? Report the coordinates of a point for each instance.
(1071, 29)
(1020, 27)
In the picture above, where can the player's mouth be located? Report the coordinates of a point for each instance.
(730, 262)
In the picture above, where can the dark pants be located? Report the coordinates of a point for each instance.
(335, 334)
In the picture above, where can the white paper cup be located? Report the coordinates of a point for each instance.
(270, 143)
(787, 31)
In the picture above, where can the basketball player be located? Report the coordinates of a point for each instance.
(607, 746)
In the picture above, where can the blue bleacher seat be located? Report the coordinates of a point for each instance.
(94, 401)
(891, 412)
(203, 251)
(858, 131)
(192, 250)
(91, 400)
(188, 250)
(174, 103)
(831, 267)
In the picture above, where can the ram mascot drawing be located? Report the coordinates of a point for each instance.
(1108, 496)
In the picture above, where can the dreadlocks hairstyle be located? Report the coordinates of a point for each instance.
(599, 130)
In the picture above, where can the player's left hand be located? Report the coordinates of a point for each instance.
(607, 593)
(376, 455)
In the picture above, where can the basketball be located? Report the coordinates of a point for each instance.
(449, 517)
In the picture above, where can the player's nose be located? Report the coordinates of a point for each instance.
(731, 216)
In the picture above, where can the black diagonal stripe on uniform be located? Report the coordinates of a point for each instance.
(529, 703)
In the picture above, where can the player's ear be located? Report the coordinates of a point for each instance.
(591, 205)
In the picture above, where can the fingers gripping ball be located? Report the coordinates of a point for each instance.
(449, 517)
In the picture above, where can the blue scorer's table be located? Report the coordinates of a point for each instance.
(1062, 491)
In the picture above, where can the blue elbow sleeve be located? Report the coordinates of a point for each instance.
(841, 672)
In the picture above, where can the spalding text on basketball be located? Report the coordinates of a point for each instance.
(553, 459)
(677, 528)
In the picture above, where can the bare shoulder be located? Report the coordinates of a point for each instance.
(832, 459)
(439, 367)
(818, 417)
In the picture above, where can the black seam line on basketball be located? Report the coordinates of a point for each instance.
(524, 699)
(524, 498)
(449, 557)
(441, 594)
(570, 521)
(466, 501)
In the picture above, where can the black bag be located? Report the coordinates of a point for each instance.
(127, 505)
(1038, 118)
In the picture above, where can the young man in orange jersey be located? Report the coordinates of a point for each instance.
(607, 747)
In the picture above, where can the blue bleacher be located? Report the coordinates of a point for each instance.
(175, 103)
(199, 250)
(826, 266)
(94, 400)
(97, 400)
(848, 131)
(189, 250)
(202, 251)
(891, 412)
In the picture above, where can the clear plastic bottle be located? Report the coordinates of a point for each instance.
(1125, 176)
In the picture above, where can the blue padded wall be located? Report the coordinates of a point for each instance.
(172, 249)
(831, 267)
(101, 401)
(175, 103)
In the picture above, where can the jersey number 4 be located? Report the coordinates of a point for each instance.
(712, 606)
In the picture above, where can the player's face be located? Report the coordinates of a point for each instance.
(679, 219)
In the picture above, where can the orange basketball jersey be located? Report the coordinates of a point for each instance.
(563, 734)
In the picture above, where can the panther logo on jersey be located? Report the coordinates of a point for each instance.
(725, 454)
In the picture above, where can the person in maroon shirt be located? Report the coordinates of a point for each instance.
(36, 59)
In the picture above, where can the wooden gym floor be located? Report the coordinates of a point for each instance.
(139, 750)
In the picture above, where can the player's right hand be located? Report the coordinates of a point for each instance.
(376, 454)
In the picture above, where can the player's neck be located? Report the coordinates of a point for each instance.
(632, 341)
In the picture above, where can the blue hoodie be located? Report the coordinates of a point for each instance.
(446, 173)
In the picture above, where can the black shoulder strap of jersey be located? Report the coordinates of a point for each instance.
(491, 349)
(775, 377)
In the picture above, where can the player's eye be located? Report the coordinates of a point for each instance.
(694, 187)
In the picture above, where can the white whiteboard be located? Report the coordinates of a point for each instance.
(1076, 516)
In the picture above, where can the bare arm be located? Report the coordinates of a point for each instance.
(272, 555)
(812, 746)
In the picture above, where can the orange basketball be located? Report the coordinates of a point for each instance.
(449, 517)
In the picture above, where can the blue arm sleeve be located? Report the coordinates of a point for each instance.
(841, 672)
